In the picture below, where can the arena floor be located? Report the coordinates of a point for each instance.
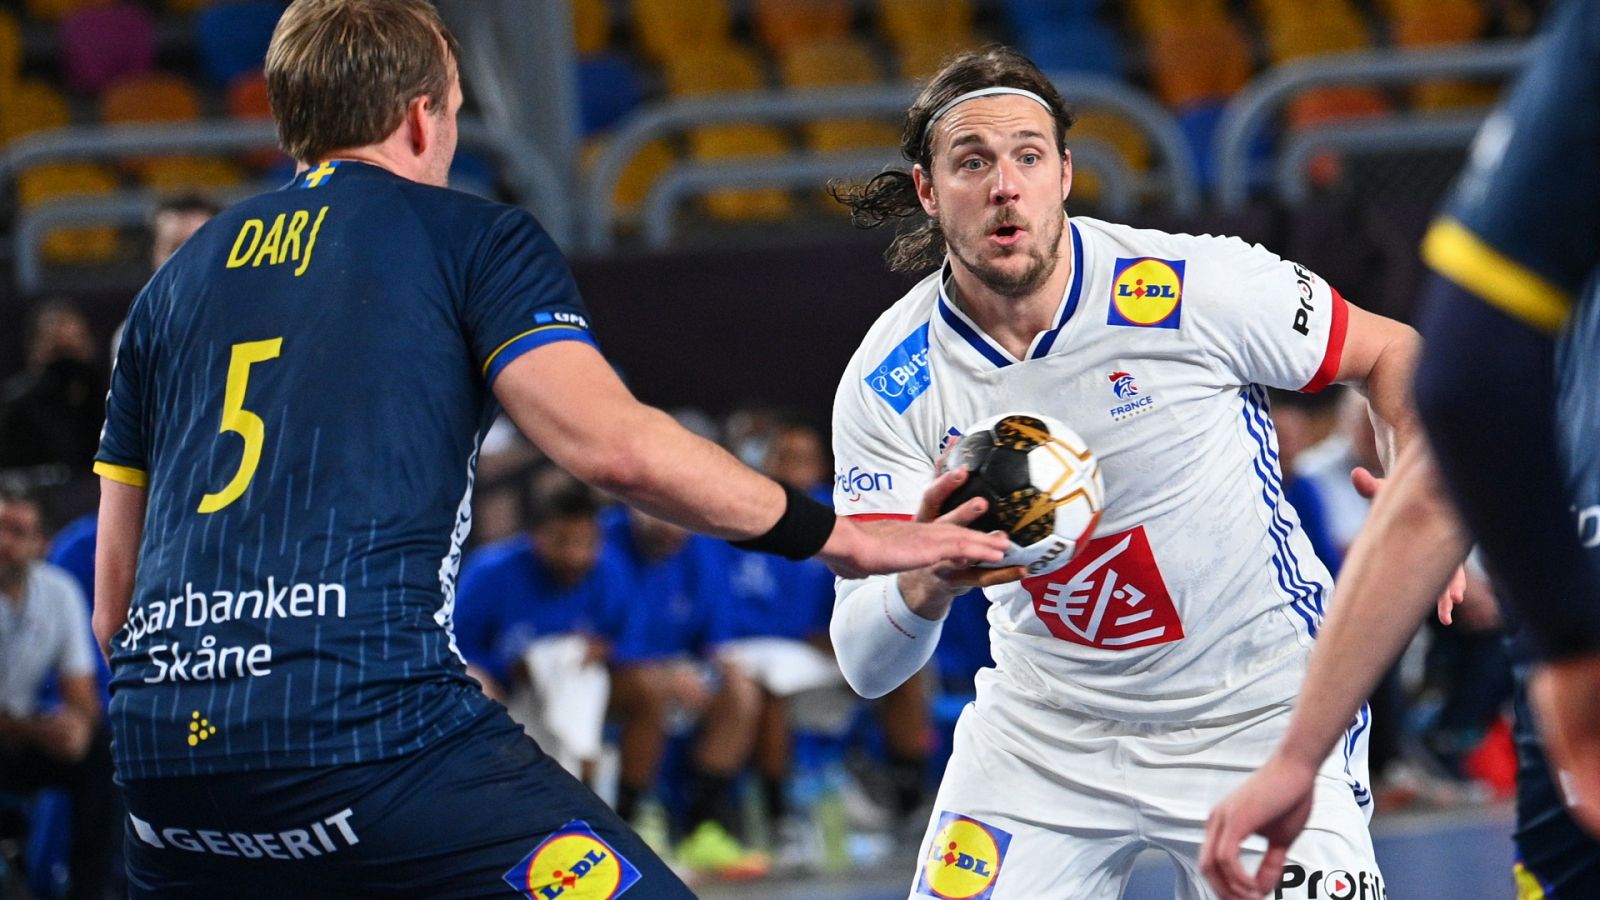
(1456, 855)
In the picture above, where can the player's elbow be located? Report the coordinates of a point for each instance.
(864, 677)
(617, 469)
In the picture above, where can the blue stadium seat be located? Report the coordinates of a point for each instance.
(233, 38)
(1083, 45)
(1025, 15)
(1199, 125)
(608, 89)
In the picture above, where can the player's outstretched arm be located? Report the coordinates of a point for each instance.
(566, 398)
(116, 555)
(1406, 553)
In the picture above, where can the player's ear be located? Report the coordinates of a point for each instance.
(1066, 173)
(924, 185)
(419, 125)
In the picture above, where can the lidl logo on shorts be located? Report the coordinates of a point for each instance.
(573, 864)
(1146, 293)
(903, 375)
(964, 859)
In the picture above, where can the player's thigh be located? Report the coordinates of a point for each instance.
(1007, 829)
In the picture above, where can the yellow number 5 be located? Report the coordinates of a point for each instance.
(241, 421)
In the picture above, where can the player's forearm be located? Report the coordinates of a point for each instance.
(879, 642)
(116, 557)
(1491, 415)
(1388, 388)
(1399, 564)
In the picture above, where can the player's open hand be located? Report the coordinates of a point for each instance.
(885, 547)
(1274, 803)
(1455, 593)
(962, 574)
(1563, 695)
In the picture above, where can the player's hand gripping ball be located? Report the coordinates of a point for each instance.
(1042, 483)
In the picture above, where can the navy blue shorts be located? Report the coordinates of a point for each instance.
(482, 813)
(1556, 859)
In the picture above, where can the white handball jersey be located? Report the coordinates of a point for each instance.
(1199, 595)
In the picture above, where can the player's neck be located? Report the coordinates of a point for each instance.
(1013, 321)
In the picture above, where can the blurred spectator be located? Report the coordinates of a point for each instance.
(535, 615)
(50, 413)
(664, 675)
(44, 635)
(174, 219)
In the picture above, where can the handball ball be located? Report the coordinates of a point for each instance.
(1042, 483)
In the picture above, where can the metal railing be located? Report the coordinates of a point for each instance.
(1409, 134)
(1252, 110)
(1181, 187)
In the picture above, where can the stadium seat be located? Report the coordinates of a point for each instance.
(1082, 45)
(232, 38)
(641, 172)
(732, 142)
(246, 100)
(591, 26)
(99, 45)
(919, 58)
(1439, 22)
(56, 10)
(31, 106)
(1182, 76)
(1198, 122)
(188, 7)
(1150, 16)
(1023, 15)
(54, 181)
(781, 24)
(1102, 125)
(10, 49)
(175, 174)
(713, 69)
(1334, 104)
(608, 89)
(837, 63)
(664, 28)
(906, 20)
(156, 97)
(1292, 39)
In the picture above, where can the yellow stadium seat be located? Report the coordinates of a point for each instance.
(907, 20)
(1333, 104)
(174, 174)
(665, 28)
(1295, 39)
(637, 177)
(781, 24)
(732, 142)
(1435, 23)
(919, 58)
(714, 69)
(1110, 128)
(29, 106)
(591, 25)
(55, 181)
(10, 49)
(1150, 16)
(837, 63)
(56, 10)
(1181, 76)
(157, 97)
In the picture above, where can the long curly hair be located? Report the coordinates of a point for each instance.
(891, 195)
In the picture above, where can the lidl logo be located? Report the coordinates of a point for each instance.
(1146, 293)
(964, 859)
(573, 864)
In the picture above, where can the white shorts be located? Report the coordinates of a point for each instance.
(783, 666)
(563, 705)
(1018, 818)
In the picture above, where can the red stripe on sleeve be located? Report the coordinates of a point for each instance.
(880, 517)
(1335, 353)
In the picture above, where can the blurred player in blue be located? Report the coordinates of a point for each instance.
(287, 468)
(536, 615)
(1507, 390)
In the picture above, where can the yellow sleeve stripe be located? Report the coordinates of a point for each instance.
(490, 361)
(123, 474)
(1502, 282)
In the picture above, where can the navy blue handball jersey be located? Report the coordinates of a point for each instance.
(302, 390)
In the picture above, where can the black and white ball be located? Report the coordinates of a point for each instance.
(1042, 483)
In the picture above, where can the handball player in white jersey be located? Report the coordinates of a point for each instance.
(1136, 686)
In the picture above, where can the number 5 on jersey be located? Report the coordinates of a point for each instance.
(241, 421)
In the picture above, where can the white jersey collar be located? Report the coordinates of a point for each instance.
(968, 331)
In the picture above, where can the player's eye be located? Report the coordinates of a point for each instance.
(972, 164)
(1030, 159)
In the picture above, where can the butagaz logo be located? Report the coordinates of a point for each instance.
(572, 864)
(852, 484)
(1303, 280)
(1134, 400)
(964, 859)
(1111, 596)
(1146, 293)
(560, 318)
(1297, 883)
(903, 375)
(951, 435)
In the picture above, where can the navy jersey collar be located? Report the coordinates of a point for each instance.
(325, 173)
(988, 349)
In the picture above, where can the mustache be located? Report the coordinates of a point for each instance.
(1007, 216)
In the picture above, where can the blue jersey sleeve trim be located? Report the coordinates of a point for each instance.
(531, 339)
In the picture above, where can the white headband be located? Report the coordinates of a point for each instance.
(982, 92)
